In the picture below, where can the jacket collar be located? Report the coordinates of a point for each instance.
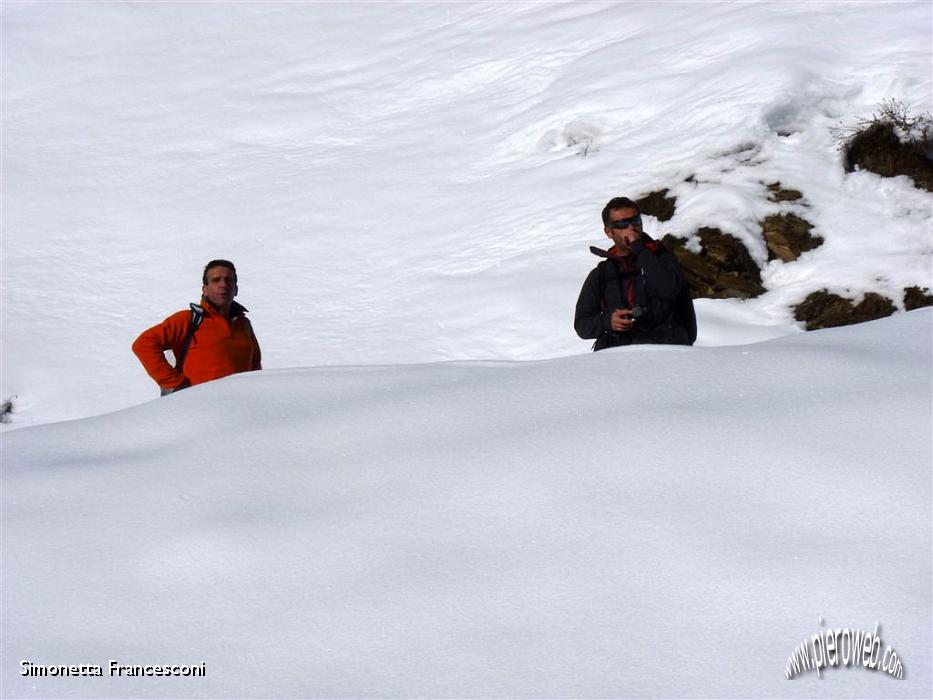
(614, 254)
(236, 308)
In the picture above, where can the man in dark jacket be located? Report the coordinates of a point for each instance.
(638, 293)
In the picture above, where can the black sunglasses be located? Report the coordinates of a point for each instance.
(622, 224)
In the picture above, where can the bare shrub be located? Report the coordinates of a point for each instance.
(891, 142)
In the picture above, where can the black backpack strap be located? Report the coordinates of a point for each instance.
(601, 281)
(197, 315)
(620, 280)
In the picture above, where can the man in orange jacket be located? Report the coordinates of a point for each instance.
(209, 341)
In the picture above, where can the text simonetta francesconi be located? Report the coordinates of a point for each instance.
(113, 669)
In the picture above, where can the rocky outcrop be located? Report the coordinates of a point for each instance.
(877, 148)
(779, 194)
(916, 298)
(723, 268)
(823, 309)
(657, 204)
(787, 236)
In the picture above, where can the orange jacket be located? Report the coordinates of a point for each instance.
(219, 347)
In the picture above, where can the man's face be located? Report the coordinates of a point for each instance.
(623, 236)
(221, 286)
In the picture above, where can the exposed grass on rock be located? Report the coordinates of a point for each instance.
(787, 236)
(823, 309)
(917, 298)
(658, 204)
(722, 270)
(890, 143)
(779, 194)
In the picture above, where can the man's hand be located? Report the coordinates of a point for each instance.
(627, 237)
(184, 385)
(622, 320)
(631, 234)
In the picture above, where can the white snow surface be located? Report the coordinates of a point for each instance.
(434, 488)
(646, 522)
(406, 182)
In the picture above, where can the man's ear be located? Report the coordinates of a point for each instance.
(203, 289)
(608, 233)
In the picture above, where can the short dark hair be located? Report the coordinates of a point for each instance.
(218, 263)
(618, 203)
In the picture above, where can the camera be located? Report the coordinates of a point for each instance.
(639, 313)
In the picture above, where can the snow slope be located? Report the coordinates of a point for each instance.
(643, 522)
(406, 183)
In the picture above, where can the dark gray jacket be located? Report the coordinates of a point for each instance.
(649, 281)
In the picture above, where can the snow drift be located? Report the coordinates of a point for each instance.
(648, 521)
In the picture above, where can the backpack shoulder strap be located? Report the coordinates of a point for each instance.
(197, 315)
(601, 275)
